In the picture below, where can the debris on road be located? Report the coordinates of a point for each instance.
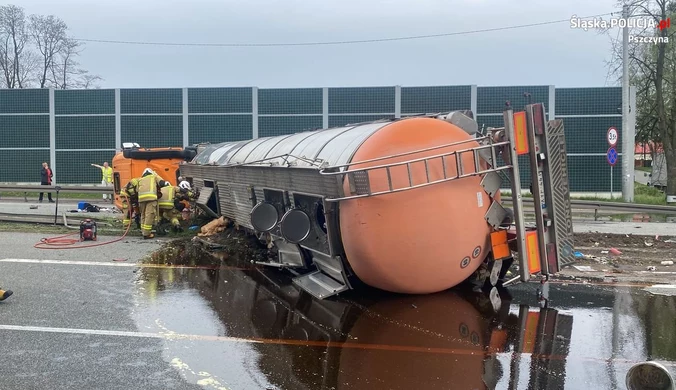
(213, 227)
(667, 262)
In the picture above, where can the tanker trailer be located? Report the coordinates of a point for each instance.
(406, 205)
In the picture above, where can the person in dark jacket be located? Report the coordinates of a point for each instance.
(46, 175)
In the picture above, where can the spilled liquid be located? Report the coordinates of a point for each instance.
(236, 326)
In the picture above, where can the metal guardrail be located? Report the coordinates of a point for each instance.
(69, 189)
(61, 219)
(610, 206)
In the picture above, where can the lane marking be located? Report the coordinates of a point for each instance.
(119, 264)
(301, 343)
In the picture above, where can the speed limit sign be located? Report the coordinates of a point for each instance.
(612, 137)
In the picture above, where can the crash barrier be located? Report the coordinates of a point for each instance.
(610, 206)
(41, 188)
(58, 189)
(649, 375)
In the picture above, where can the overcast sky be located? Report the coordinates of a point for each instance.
(552, 54)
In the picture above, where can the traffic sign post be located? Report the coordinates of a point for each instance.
(612, 136)
(611, 156)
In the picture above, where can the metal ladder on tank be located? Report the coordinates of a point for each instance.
(544, 249)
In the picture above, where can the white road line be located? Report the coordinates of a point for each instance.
(109, 264)
(74, 262)
(120, 333)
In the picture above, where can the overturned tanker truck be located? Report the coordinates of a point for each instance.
(408, 205)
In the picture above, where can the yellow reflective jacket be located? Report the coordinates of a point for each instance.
(107, 174)
(147, 188)
(168, 196)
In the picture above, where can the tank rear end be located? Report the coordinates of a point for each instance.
(416, 240)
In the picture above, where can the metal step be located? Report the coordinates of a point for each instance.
(319, 285)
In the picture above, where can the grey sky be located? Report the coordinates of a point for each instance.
(553, 54)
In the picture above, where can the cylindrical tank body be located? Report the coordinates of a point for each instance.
(414, 241)
(420, 240)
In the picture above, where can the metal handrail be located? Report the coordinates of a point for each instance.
(506, 167)
(404, 154)
(490, 145)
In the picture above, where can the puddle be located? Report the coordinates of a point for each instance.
(252, 328)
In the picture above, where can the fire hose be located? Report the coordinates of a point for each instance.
(61, 242)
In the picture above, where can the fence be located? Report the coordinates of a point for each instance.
(71, 129)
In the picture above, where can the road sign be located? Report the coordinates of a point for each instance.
(612, 156)
(612, 137)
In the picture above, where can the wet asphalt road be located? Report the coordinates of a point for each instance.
(93, 325)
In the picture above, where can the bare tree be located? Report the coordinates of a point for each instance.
(16, 60)
(652, 70)
(65, 67)
(49, 35)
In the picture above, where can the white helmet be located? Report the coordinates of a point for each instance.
(147, 171)
(185, 185)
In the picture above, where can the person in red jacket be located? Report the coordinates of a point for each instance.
(46, 175)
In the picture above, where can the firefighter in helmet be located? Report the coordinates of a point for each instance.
(130, 205)
(4, 294)
(148, 189)
(167, 206)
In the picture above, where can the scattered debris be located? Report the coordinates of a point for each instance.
(651, 268)
(34, 207)
(614, 251)
(213, 227)
(604, 252)
(648, 243)
(584, 268)
(579, 255)
(670, 241)
(667, 262)
(120, 259)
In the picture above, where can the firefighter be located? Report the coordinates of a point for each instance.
(130, 205)
(4, 294)
(167, 206)
(148, 188)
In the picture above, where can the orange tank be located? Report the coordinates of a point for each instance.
(417, 240)
(422, 240)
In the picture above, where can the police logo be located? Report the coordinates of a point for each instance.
(465, 262)
(476, 252)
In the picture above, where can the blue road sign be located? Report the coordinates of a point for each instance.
(612, 156)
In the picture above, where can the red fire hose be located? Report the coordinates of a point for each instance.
(60, 242)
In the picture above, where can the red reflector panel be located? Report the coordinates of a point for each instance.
(532, 251)
(539, 118)
(520, 137)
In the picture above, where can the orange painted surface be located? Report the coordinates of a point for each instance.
(440, 321)
(130, 168)
(500, 245)
(415, 241)
(533, 252)
(520, 135)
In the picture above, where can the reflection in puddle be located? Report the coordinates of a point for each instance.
(282, 338)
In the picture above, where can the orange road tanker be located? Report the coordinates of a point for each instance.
(406, 205)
